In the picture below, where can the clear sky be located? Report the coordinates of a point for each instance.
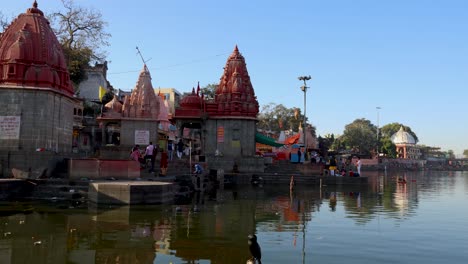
(408, 57)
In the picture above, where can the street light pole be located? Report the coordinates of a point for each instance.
(378, 108)
(304, 89)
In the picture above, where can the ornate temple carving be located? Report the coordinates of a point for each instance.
(142, 103)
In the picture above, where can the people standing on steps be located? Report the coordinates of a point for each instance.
(150, 154)
(180, 148)
(163, 163)
(170, 150)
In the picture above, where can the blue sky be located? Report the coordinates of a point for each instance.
(408, 57)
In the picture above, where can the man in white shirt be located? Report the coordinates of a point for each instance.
(149, 154)
(358, 165)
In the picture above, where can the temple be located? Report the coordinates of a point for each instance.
(36, 94)
(224, 128)
(135, 122)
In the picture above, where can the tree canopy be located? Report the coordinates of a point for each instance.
(276, 118)
(81, 31)
(4, 22)
(209, 90)
(360, 136)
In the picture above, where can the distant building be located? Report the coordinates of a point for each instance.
(95, 77)
(405, 143)
(171, 96)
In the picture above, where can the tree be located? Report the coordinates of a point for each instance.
(390, 129)
(4, 22)
(387, 147)
(450, 154)
(81, 31)
(465, 153)
(360, 136)
(325, 143)
(277, 118)
(209, 90)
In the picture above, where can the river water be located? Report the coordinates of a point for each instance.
(424, 220)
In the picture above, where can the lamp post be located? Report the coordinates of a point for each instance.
(304, 89)
(378, 108)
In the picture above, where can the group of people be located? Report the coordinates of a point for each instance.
(351, 167)
(150, 154)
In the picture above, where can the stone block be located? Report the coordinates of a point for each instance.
(128, 192)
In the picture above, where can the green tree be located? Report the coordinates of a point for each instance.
(465, 153)
(81, 31)
(209, 90)
(360, 136)
(326, 143)
(278, 117)
(387, 147)
(450, 154)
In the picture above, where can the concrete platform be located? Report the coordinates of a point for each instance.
(14, 188)
(339, 180)
(131, 192)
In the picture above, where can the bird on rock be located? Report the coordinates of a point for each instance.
(254, 248)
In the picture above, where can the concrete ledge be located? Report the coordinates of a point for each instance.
(99, 169)
(129, 192)
(337, 180)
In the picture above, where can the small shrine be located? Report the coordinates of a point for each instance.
(133, 122)
(405, 143)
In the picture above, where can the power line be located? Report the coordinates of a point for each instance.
(174, 65)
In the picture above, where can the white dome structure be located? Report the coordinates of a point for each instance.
(403, 137)
(405, 145)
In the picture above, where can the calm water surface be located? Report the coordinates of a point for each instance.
(422, 221)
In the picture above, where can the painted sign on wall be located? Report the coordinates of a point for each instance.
(220, 134)
(10, 127)
(142, 137)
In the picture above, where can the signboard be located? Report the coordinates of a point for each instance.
(10, 127)
(142, 137)
(220, 134)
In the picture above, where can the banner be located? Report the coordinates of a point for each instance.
(102, 92)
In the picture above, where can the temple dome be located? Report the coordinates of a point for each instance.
(30, 54)
(113, 108)
(191, 101)
(142, 103)
(402, 137)
(235, 95)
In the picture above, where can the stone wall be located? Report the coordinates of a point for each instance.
(127, 132)
(238, 137)
(244, 164)
(98, 169)
(38, 163)
(46, 119)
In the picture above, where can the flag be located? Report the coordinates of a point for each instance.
(102, 92)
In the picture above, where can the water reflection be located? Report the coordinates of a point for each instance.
(213, 228)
